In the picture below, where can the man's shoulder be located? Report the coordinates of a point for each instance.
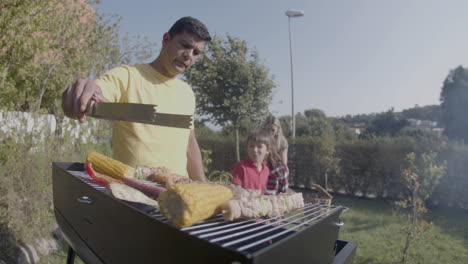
(118, 70)
(133, 70)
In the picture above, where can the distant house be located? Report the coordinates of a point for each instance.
(358, 128)
(425, 124)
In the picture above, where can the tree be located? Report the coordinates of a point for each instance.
(421, 175)
(428, 112)
(342, 131)
(46, 45)
(386, 124)
(314, 123)
(454, 104)
(231, 84)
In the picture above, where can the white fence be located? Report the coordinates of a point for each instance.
(40, 127)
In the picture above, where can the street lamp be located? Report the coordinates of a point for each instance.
(292, 13)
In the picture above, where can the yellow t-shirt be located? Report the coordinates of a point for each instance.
(142, 144)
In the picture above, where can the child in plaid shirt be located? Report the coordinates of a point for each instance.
(279, 173)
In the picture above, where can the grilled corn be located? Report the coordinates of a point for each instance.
(185, 204)
(109, 166)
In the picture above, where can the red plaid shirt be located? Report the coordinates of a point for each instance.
(278, 180)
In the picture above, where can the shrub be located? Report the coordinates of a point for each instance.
(26, 204)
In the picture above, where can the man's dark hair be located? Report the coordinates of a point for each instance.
(190, 25)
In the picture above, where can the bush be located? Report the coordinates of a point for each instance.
(361, 167)
(223, 152)
(26, 204)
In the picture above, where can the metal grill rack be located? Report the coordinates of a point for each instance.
(243, 236)
(103, 229)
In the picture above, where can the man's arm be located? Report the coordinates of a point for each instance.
(194, 159)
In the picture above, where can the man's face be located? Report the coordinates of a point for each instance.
(181, 51)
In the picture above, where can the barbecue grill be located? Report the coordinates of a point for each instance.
(103, 229)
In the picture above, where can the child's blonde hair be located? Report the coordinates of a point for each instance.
(273, 120)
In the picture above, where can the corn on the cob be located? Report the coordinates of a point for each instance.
(109, 166)
(185, 204)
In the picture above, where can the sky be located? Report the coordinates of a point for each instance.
(349, 56)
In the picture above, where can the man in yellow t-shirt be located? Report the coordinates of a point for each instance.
(154, 83)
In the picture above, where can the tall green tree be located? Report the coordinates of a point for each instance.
(314, 123)
(454, 104)
(231, 84)
(46, 45)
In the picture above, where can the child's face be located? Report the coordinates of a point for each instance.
(257, 151)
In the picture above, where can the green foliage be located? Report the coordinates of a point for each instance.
(388, 123)
(215, 175)
(371, 167)
(314, 123)
(206, 158)
(220, 176)
(244, 127)
(46, 45)
(452, 188)
(385, 124)
(26, 210)
(428, 112)
(341, 131)
(315, 158)
(362, 166)
(360, 118)
(454, 104)
(230, 83)
(221, 149)
(421, 175)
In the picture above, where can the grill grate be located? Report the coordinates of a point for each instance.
(248, 235)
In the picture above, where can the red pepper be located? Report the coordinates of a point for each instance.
(89, 169)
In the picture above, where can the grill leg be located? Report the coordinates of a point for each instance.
(71, 256)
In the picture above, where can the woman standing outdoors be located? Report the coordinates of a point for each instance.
(273, 124)
(277, 160)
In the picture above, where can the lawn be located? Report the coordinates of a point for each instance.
(377, 228)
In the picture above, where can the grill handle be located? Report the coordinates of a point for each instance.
(85, 199)
(340, 223)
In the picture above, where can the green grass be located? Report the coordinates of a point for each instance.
(377, 227)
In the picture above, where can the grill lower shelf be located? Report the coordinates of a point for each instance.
(102, 229)
(344, 252)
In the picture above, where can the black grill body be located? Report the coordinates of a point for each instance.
(103, 229)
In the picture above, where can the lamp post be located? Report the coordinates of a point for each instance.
(292, 13)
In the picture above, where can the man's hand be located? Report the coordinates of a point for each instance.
(76, 97)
